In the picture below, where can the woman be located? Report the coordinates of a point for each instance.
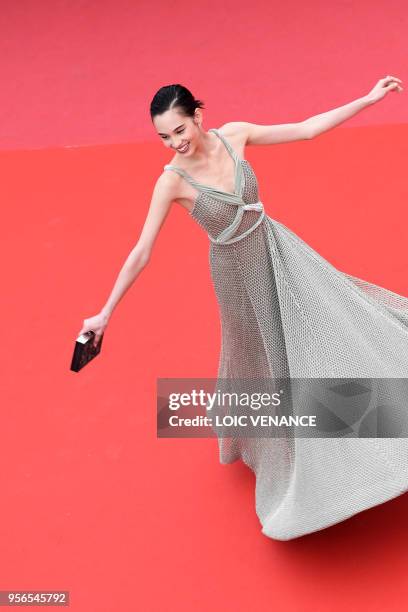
(285, 312)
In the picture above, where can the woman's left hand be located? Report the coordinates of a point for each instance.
(389, 83)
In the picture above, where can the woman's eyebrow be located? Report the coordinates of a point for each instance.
(179, 126)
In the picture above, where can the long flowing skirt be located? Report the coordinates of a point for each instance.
(287, 312)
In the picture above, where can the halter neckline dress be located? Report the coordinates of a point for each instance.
(285, 311)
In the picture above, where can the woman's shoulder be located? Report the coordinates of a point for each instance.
(236, 133)
(234, 128)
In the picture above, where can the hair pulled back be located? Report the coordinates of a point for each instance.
(174, 96)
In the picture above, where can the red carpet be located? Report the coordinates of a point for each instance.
(92, 501)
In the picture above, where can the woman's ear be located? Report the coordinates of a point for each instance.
(198, 117)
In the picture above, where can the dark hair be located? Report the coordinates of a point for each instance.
(172, 96)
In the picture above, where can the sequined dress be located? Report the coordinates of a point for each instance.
(285, 311)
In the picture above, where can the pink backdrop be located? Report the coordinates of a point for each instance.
(83, 72)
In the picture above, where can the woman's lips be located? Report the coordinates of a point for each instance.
(184, 148)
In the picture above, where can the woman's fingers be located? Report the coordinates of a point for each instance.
(387, 78)
(96, 325)
(394, 86)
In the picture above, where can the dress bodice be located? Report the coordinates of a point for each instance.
(222, 214)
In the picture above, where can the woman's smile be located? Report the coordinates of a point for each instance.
(184, 148)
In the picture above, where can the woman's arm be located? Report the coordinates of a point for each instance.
(313, 126)
(138, 258)
(325, 121)
(134, 264)
(140, 255)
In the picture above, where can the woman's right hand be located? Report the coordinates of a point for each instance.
(97, 324)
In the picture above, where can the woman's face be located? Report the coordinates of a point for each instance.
(177, 131)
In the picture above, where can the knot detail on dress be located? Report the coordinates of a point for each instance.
(255, 206)
(225, 236)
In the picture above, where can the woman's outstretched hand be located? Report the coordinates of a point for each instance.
(389, 83)
(97, 324)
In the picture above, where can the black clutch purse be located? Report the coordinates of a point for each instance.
(84, 350)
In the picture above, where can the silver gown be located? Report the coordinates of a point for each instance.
(285, 311)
